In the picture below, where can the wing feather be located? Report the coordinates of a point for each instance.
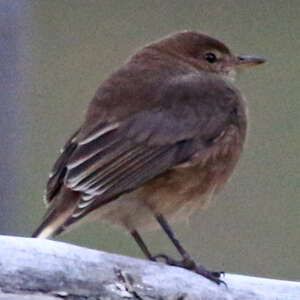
(115, 158)
(59, 169)
(139, 171)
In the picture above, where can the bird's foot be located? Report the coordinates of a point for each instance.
(189, 264)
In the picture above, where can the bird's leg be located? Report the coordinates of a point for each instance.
(187, 262)
(142, 245)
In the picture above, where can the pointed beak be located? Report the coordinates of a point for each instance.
(244, 61)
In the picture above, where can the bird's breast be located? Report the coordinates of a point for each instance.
(196, 180)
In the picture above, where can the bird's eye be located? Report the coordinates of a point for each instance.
(210, 57)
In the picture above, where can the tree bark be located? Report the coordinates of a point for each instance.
(46, 270)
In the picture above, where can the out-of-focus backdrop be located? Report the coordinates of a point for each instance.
(53, 56)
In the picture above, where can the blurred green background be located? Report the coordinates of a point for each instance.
(55, 53)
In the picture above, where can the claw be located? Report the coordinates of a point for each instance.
(213, 276)
(189, 264)
(168, 260)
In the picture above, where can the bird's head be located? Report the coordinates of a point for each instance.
(206, 53)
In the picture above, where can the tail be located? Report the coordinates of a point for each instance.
(60, 210)
(52, 223)
(44, 231)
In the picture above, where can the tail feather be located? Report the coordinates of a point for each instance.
(43, 231)
(52, 223)
(61, 208)
(49, 226)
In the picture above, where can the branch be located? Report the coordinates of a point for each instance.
(47, 270)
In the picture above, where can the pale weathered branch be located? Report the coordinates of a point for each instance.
(46, 270)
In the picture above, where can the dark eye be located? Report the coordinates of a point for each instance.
(210, 57)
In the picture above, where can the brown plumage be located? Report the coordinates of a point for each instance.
(161, 135)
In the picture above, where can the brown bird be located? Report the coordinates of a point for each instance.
(160, 137)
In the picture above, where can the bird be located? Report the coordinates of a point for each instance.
(160, 138)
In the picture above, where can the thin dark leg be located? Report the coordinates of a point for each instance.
(187, 262)
(166, 227)
(141, 244)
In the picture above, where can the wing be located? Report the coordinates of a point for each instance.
(116, 163)
(56, 177)
(117, 157)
